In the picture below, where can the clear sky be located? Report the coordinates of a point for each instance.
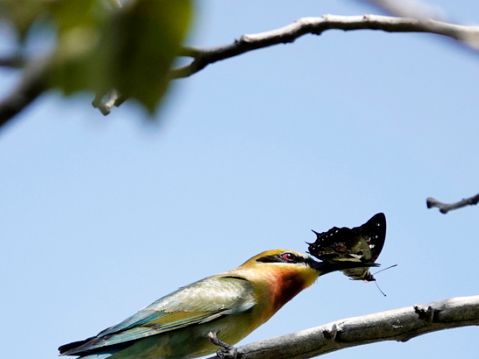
(102, 215)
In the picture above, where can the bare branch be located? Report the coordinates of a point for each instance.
(318, 25)
(32, 84)
(12, 61)
(446, 207)
(398, 324)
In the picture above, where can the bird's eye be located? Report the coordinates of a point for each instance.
(288, 257)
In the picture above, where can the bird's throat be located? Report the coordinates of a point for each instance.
(286, 285)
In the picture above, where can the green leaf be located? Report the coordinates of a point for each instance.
(144, 41)
(101, 46)
(78, 24)
(131, 49)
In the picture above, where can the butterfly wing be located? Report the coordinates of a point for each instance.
(357, 244)
(372, 234)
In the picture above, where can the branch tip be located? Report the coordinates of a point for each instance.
(318, 25)
(446, 207)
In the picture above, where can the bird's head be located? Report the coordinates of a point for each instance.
(289, 260)
(282, 260)
(286, 272)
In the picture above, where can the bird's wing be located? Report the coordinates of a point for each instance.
(198, 303)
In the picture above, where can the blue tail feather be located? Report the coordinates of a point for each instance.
(96, 356)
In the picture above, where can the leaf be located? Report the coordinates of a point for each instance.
(102, 47)
(146, 41)
(131, 51)
(78, 24)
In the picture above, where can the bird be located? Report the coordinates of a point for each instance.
(217, 311)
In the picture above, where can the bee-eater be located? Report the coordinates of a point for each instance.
(231, 304)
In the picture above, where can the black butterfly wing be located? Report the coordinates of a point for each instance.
(373, 233)
(357, 244)
(333, 245)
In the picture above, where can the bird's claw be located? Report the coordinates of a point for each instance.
(225, 350)
(224, 353)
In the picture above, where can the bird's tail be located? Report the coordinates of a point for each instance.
(67, 348)
(70, 349)
(96, 356)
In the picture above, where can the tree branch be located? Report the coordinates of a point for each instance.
(14, 61)
(316, 26)
(398, 324)
(446, 207)
(31, 85)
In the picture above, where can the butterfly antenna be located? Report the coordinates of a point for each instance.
(379, 288)
(379, 271)
(382, 270)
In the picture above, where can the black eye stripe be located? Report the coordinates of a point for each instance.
(282, 258)
(268, 259)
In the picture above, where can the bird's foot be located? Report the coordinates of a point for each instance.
(225, 350)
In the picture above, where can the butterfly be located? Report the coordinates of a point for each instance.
(357, 244)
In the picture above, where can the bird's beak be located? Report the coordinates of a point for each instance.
(325, 267)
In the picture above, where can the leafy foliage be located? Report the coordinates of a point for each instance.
(101, 45)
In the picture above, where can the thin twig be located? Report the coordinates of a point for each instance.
(12, 61)
(202, 57)
(398, 325)
(31, 85)
(446, 207)
(318, 25)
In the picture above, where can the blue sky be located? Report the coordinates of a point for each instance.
(103, 215)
